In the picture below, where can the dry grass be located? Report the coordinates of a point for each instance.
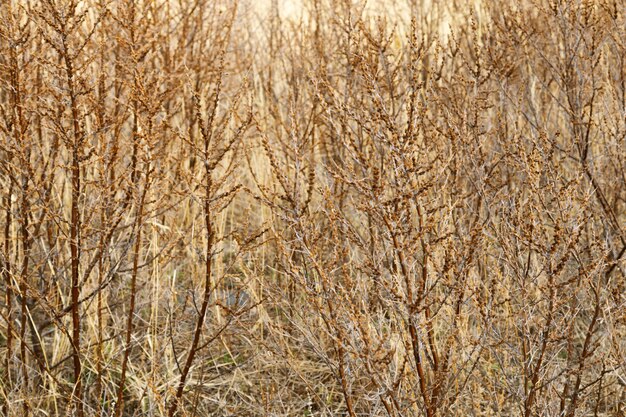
(345, 209)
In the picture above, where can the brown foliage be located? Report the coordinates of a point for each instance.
(214, 209)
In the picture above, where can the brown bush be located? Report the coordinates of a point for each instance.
(214, 208)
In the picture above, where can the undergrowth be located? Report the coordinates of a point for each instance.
(212, 207)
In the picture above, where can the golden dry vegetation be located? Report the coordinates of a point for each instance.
(413, 208)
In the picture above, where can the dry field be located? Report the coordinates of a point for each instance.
(321, 208)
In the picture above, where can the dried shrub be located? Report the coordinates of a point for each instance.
(217, 208)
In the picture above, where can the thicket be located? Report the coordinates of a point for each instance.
(357, 209)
